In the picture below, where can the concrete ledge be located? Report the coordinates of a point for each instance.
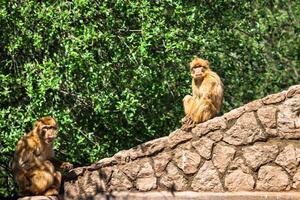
(198, 195)
(40, 198)
(183, 195)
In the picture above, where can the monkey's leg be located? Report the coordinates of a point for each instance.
(53, 190)
(24, 184)
(188, 103)
(57, 179)
(205, 111)
(41, 180)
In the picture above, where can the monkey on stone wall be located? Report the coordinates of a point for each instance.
(207, 97)
(34, 167)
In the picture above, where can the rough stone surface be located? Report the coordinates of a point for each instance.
(173, 179)
(237, 180)
(259, 154)
(88, 184)
(122, 157)
(268, 115)
(119, 181)
(296, 180)
(103, 163)
(179, 136)
(252, 148)
(207, 179)
(239, 163)
(216, 136)
(253, 105)
(289, 118)
(131, 169)
(288, 159)
(274, 98)
(148, 148)
(146, 169)
(222, 155)
(246, 130)
(94, 182)
(160, 162)
(293, 90)
(234, 114)
(75, 173)
(187, 160)
(72, 190)
(216, 123)
(272, 178)
(204, 147)
(91, 182)
(146, 184)
(239, 177)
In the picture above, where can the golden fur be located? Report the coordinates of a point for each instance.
(34, 165)
(207, 97)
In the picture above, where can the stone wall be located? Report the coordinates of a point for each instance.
(252, 148)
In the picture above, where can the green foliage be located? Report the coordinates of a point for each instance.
(113, 73)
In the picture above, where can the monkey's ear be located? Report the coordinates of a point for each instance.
(37, 125)
(191, 65)
(206, 63)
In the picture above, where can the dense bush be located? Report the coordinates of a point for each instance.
(113, 73)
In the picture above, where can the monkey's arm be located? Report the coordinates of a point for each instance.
(60, 164)
(27, 152)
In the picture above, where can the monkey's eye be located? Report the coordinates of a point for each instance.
(45, 128)
(53, 127)
(202, 68)
(198, 68)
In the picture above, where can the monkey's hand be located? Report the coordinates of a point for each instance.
(187, 123)
(185, 119)
(66, 165)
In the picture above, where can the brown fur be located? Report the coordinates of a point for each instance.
(34, 165)
(207, 97)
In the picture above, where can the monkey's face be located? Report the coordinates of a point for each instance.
(199, 68)
(198, 72)
(48, 133)
(46, 128)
